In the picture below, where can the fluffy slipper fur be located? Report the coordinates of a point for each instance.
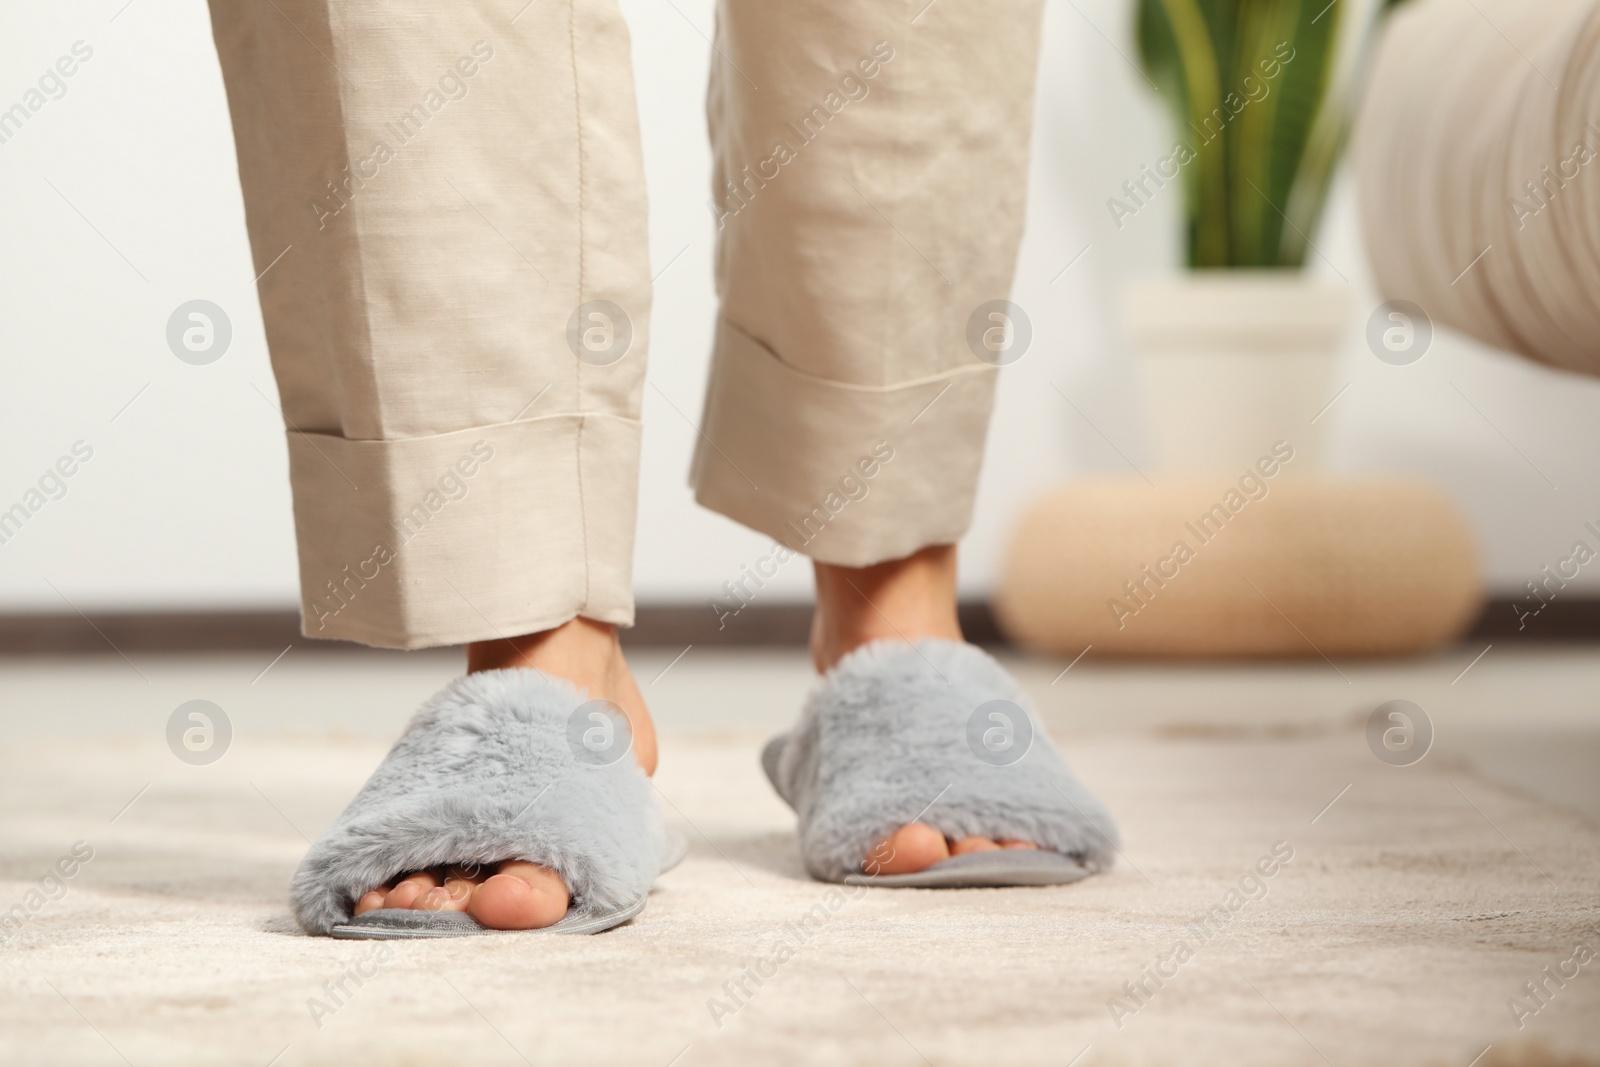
(887, 738)
(484, 773)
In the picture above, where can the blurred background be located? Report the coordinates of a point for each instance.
(123, 203)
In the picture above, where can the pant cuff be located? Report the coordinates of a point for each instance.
(466, 536)
(847, 474)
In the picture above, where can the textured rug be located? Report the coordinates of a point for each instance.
(1406, 912)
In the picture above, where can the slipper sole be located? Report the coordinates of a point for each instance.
(995, 869)
(398, 924)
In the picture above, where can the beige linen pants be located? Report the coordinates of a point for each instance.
(446, 200)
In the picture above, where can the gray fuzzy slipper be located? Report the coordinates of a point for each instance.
(938, 733)
(500, 765)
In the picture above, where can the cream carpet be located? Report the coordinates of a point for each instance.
(1417, 903)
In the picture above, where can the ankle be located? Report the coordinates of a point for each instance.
(897, 600)
(588, 655)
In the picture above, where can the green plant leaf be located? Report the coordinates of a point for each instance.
(1251, 88)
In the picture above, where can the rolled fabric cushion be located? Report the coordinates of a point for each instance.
(1477, 152)
(1205, 568)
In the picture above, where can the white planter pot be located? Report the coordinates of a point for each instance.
(1233, 361)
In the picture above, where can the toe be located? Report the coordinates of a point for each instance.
(452, 896)
(972, 844)
(370, 902)
(521, 896)
(914, 847)
(408, 889)
(1006, 842)
(433, 899)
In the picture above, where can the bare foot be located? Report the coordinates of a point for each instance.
(900, 600)
(515, 894)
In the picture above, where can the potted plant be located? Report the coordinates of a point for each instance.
(1238, 352)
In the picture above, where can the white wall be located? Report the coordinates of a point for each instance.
(122, 202)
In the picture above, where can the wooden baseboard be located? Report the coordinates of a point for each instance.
(1575, 619)
(1568, 619)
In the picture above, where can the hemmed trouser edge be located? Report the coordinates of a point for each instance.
(492, 531)
(844, 473)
